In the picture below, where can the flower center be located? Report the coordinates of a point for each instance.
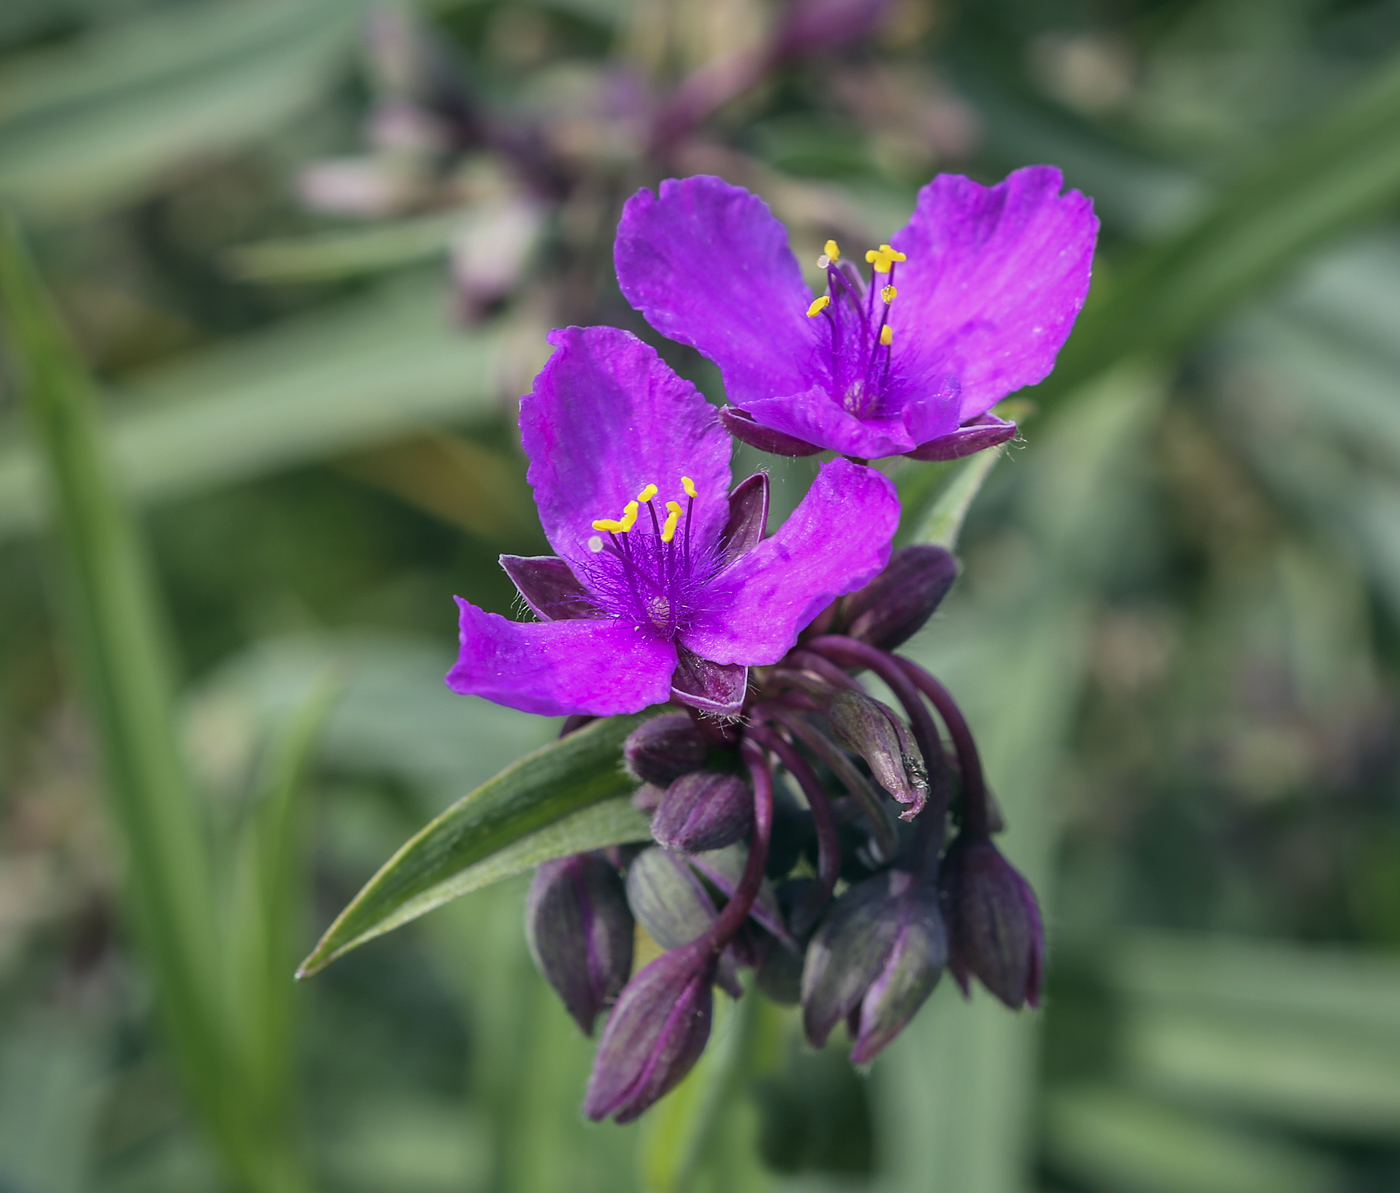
(858, 331)
(651, 579)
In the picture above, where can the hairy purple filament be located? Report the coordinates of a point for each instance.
(648, 580)
(856, 316)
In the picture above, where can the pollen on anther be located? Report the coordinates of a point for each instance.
(647, 494)
(832, 250)
(689, 486)
(887, 335)
(818, 306)
(888, 294)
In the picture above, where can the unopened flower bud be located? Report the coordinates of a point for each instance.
(580, 932)
(874, 960)
(703, 810)
(664, 748)
(894, 606)
(673, 906)
(873, 731)
(647, 798)
(994, 923)
(655, 1034)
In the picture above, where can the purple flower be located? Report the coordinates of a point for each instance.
(971, 300)
(662, 586)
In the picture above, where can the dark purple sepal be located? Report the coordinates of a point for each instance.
(579, 930)
(672, 904)
(654, 1036)
(894, 606)
(872, 730)
(717, 688)
(703, 810)
(994, 925)
(748, 517)
(875, 959)
(723, 869)
(742, 426)
(986, 430)
(664, 748)
(548, 585)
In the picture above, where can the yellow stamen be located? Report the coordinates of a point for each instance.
(608, 525)
(833, 250)
(675, 508)
(887, 335)
(818, 306)
(629, 514)
(879, 261)
(647, 494)
(892, 254)
(689, 486)
(888, 294)
(668, 531)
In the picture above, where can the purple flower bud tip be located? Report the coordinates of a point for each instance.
(703, 810)
(994, 923)
(894, 606)
(655, 1034)
(579, 929)
(875, 959)
(664, 748)
(874, 732)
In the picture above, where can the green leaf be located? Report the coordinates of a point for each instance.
(568, 796)
(100, 124)
(944, 520)
(1334, 172)
(371, 371)
(345, 252)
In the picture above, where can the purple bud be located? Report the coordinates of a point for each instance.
(647, 798)
(894, 606)
(875, 959)
(671, 903)
(655, 1034)
(664, 748)
(742, 426)
(820, 26)
(873, 731)
(994, 923)
(724, 869)
(703, 810)
(580, 931)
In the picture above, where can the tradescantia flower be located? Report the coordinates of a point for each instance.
(645, 600)
(969, 301)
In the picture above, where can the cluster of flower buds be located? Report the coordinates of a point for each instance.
(805, 840)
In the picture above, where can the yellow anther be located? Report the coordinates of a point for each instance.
(833, 250)
(608, 526)
(879, 261)
(689, 486)
(893, 254)
(887, 335)
(818, 306)
(888, 294)
(629, 514)
(668, 531)
(647, 494)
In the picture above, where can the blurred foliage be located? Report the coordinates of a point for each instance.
(308, 250)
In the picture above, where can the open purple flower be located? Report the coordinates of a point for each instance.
(971, 300)
(648, 600)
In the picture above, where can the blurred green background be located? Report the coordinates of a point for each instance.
(307, 251)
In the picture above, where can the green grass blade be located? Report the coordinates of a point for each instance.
(1329, 175)
(565, 797)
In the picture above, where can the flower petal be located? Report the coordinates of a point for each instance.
(556, 668)
(708, 264)
(549, 587)
(608, 416)
(837, 539)
(817, 417)
(994, 280)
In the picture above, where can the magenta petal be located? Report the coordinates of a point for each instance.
(556, 668)
(984, 431)
(837, 539)
(548, 585)
(994, 280)
(708, 264)
(818, 418)
(607, 417)
(712, 687)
